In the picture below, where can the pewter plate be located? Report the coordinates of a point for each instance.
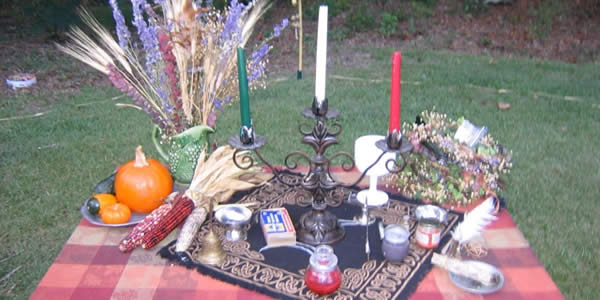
(475, 287)
(96, 220)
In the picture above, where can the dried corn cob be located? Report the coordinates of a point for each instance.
(182, 208)
(190, 228)
(134, 238)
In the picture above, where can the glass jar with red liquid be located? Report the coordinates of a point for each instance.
(323, 275)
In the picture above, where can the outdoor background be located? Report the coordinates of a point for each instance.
(463, 58)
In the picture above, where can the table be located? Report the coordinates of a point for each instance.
(90, 266)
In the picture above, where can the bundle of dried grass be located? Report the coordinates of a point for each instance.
(216, 179)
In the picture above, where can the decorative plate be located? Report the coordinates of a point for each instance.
(475, 287)
(96, 220)
(21, 80)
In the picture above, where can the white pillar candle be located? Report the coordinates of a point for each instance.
(321, 55)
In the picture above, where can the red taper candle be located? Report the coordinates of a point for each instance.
(395, 92)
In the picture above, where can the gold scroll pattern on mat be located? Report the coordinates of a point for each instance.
(373, 280)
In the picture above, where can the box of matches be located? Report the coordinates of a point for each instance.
(277, 227)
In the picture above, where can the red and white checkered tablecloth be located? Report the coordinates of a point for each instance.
(90, 266)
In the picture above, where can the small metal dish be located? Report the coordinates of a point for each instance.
(476, 287)
(431, 212)
(235, 217)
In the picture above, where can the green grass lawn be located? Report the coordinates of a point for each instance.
(50, 163)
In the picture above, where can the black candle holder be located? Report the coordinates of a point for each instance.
(395, 142)
(247, 134)
(318, 226)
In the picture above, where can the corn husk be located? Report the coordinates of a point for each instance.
(218, 178)
(215, 179)
(190, 228)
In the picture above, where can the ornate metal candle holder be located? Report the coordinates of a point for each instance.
(318, 226)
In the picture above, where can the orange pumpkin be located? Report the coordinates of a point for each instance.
(142, 184)
(116, 213)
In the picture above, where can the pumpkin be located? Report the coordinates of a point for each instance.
(95, 204)
(115, 213)
(142, 183)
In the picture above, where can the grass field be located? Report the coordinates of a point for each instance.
(49, 163)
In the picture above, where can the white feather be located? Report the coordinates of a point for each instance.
(475, 221)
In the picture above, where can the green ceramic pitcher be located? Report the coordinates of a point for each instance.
(181, 151)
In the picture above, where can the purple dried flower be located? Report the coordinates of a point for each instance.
(257, 63)
(122, 30)
(494, 161)
(256, 73)
(160, 92)
(212, 119)
(147, 34)
(170, 71)
(165, 103)
(218, 104)
(278, 28)
(232, 28)
(447, 143)
(260, 53)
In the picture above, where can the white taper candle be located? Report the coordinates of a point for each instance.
(321, 55)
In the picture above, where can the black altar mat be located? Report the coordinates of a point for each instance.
(279, 272)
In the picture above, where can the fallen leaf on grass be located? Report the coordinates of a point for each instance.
(503, 106)
(128, 105)
(572, 98)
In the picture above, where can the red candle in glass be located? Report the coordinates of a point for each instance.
(395, 92)
(323, 275)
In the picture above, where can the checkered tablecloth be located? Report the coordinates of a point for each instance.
(90, 266)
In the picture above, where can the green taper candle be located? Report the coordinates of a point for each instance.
(244, 98)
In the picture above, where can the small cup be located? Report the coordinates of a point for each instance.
(234, 217)
(395, 243)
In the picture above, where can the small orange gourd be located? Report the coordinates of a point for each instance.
(115, 213)
(99, 201)
(142, 184)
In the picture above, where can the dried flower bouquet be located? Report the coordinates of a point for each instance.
(442, 169)
(180, 65)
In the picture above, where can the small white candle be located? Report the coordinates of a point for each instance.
(321, 55)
